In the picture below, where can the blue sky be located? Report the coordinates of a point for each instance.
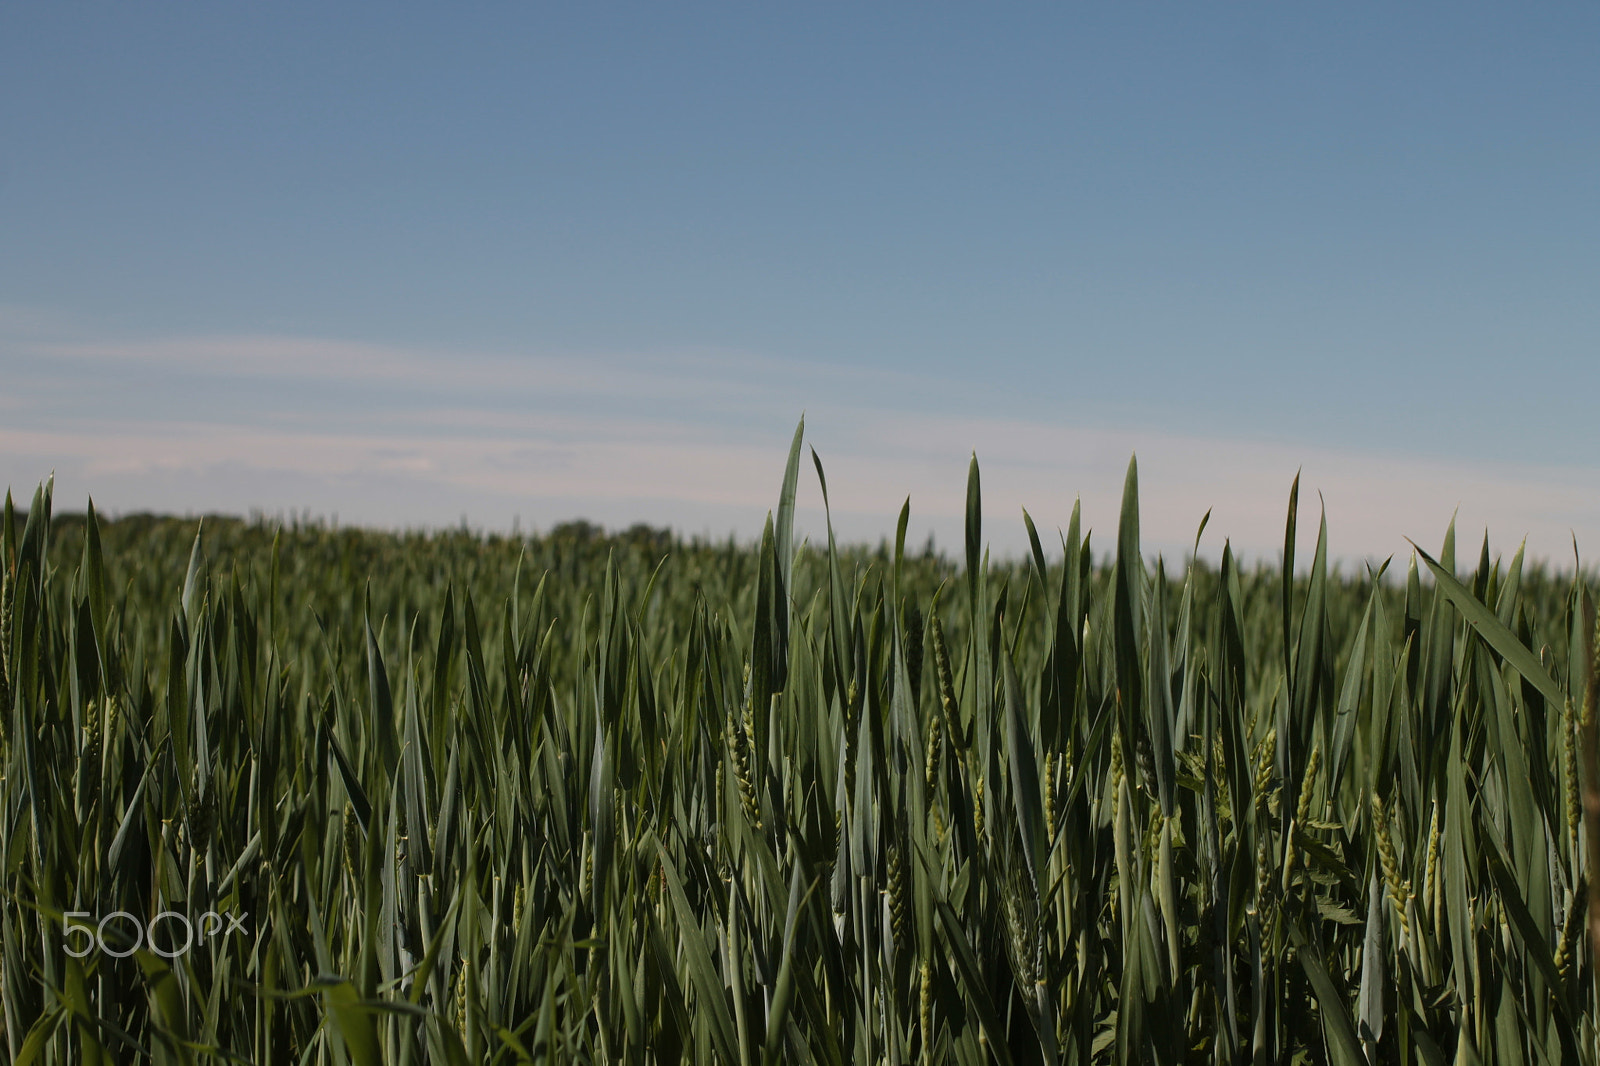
(410, 263)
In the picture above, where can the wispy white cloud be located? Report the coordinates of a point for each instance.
(698, 376)
(695, 440)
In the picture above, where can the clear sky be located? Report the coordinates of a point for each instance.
(407, 263)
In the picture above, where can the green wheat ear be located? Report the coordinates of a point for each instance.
(1399, 889)
(1569, 771)
(353, 863)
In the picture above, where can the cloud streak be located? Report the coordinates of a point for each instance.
(390, 436)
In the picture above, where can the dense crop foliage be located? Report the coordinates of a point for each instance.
(625, 799)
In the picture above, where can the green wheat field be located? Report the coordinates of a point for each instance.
(307, 795)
